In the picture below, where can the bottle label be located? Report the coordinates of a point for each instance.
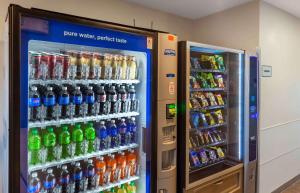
(34, 102)
(90, 173)
(123, 97)
(49, 184)
(132, 96)
(114, 132)
(113, 98)
(103, 134)
(49, 101)
(34, 188)
(78, 176)
(77, 100)
(90, 99)
(102, 98)
(122, 129)
(65, 180)
(64, 100)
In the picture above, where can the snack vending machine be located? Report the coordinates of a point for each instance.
(82, 104)
(211, 107)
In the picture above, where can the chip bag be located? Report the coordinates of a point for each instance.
(194, 83)
(203, 120)
(211, 80)
(213, 64)
(212, 155)
(219, 116)
(220, 81)
(210, 119)
(211, 98)
(220, 62)
(195, 63)
(203, 100)
(220, 99)
(194, 159)
(203, 156)
(195, 120)
(194, 103)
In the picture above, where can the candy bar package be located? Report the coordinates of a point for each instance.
(210, 135)
(193, 82)
(211, 98)
(211, 80)
(195, 120)
(220, 62)
(220, 99)
(212, 155)
(220, 81)
(210, 119)
(207, 138)
(217, 134)
(195, 103)
(203, 120)
(203, 100)
(200, 134)
(203, 156)
(195, 63)
(194, 159)
(219, 116)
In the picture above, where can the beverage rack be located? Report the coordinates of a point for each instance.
(208, 141)
(57, 123)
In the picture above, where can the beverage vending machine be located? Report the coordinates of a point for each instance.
(91, 106)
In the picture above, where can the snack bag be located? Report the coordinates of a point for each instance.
(194, 159)
(195, 63)
(217, 135)
(205, 61)
(202, 78)
(213, 64)
(220, 81)
(203, 156)
(211, 98)
(195, 120)
(193, 82)
(220, 152)
(219, 116)
(195, 103)
(212, 155)
(220, 62)
(206, 138)
(210, 119)
(204, 102)
(203, 120)
(220, 99)
(211, 80)
(200, 134)
(211, 137)
(192, 141)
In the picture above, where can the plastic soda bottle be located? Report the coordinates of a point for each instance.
(89, 99)
(34, 102)
(123, 99)
(131, 188)
(50, 181)
(112, 166)
(77, 138)
(114, 134)
(49, 103)
(49, 140)
(112, 190)
(132, 68)
(102, 136)
(124, 74)
(90, 136)
(121, 163)
(113, 99)
(34, 146)
(132, 129)
(101, 169)
(106, 67)
(64, 101)
(77, 177)
(115, 67)
(90, 173)
(34, 183)
(132, 98)
(64, 179)
(125, 137)
(102, 100)
(131, 161)
(122, 189)
(77, 101)
(64, 139)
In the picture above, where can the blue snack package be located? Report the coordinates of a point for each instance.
(195, 118)
(194, 159)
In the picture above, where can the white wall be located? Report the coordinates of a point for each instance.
(235, 28)
(280, 107)
(110, 10)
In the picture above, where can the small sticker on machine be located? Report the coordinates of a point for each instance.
(170, 52)
(171, 88)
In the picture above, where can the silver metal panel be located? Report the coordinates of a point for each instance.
(224, 49)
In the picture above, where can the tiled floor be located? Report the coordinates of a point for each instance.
(294, 188)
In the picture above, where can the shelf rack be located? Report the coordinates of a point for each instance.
(82, 157)
(87, 81)
(207, 70)
(209, 127)
(207, 89)
(208, 108)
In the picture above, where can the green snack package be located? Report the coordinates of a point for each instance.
(220, 62)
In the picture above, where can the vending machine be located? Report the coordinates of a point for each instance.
(211, 110)
(91, 106)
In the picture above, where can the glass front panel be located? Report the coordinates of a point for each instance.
(86, 109)
(215, 111)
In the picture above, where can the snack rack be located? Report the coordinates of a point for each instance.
(210, 107)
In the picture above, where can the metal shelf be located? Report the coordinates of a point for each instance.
(209, 108)
(87, 81)
(208, 70)
(81, 119)
(106, 187)
(196, 169)
(218, 143)
(206, 89)
(209, 127)
(82, 157)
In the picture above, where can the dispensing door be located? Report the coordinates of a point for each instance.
(166, 113)
(251, 124)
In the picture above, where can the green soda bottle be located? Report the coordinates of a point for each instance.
(34, 146)
(64, 140)
(49, 140)
(90, 136)
(122, 189)
(77, 138)
(131, 188)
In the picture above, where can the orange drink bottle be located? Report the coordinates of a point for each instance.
(121, 163)
(131, 161)
(101, 168)
(112, 166)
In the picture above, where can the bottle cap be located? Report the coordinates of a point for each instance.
(77, 88)
(64, 167)
(113, 121)
(133, 118)
(64, 128)
(34, 174)
(34, 88)
(90, 88)
(131, 86)
(101, 158)
(77, 164)
(49, 88)
(49, 171)
(102, 122)
(90, 161)
(64, 88)
(77, 126)
(50, 129)
(123, 120)
(90, 124)
(35, 131)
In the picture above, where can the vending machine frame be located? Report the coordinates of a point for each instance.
(161, 54)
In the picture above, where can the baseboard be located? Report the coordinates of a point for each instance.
(287, 184)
